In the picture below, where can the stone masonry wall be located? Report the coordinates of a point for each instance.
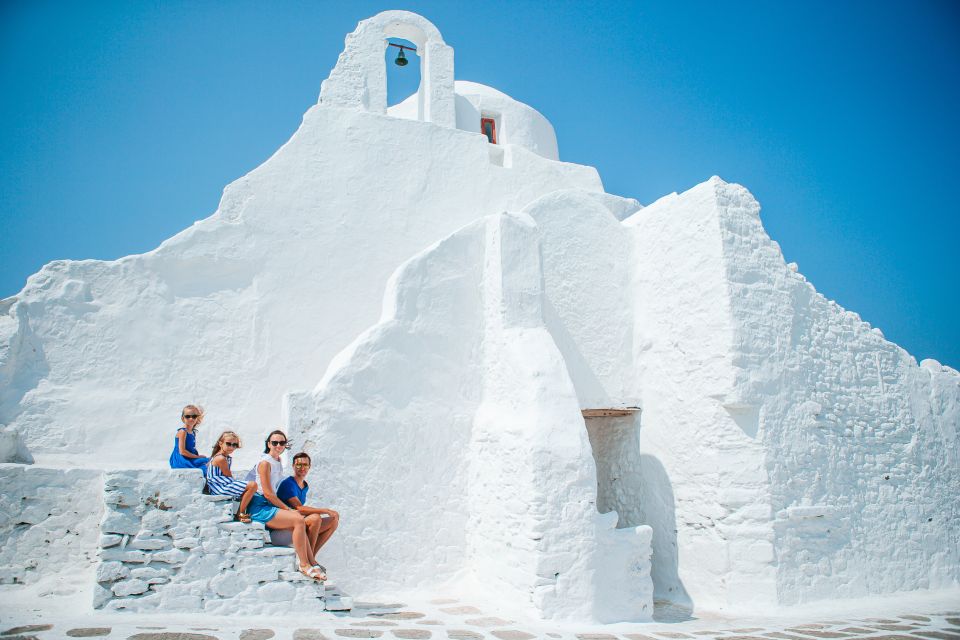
(48, 519)
(164, 545)
(860, 441)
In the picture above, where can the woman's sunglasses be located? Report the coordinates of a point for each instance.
(231, 444)
(278, 443)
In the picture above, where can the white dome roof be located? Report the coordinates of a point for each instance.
(517, 123)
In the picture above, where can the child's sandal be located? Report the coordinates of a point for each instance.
(242, 516)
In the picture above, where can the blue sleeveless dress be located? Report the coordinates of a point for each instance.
(221, 485)
(177, 461)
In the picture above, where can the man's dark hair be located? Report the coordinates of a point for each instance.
(302, 454)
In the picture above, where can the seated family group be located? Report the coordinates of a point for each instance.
(265, 495)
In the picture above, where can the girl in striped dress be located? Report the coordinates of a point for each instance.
(220, 480)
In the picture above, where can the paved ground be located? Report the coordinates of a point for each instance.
(443, 618)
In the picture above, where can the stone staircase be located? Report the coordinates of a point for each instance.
(165, 546)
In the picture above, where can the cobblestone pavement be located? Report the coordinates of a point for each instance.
(445, 618)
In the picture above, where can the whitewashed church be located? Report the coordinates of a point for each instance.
(505, 375)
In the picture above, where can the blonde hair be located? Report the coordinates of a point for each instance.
(200, 412)
(216, 447)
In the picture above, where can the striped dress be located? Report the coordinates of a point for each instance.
(221, 485)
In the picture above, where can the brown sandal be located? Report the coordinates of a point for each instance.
(242, 516)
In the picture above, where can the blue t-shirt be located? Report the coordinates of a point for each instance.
(290, 489)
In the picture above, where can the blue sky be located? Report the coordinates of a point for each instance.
(123, 121)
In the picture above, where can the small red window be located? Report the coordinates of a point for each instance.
(488, 127)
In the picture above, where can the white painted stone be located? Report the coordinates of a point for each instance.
(150, 544)
(158, 521)
(250, 544)
(111, 571)
(120, 522)
(110, 540)
(270, 552)
(122, 497)
(215, 545)
(186, 543)
(227, 585)
(173, 601)
(101, 596)
(35, 513)
(12, 446)
(256, 572)
(276, 592)
(343, 603)
(147, 573)
(171, 556)
(125, 556)
(130, 587)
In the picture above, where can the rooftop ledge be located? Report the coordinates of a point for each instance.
(610, 412)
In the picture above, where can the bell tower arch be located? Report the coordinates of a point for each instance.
(359, 79)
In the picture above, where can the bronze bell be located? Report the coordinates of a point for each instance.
(401, 60)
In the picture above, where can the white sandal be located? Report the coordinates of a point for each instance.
(313, 573)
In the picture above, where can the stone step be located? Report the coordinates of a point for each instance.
(296, 576)
(270, 551)
(242, 526)
(209, 498)
(341, 603)
(143, 563)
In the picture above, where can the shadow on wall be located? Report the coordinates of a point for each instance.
(22, 370)
(637, 487)
(659, 511)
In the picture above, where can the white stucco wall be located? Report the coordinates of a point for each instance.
(254, 300)
(517, 123)
(860, 441)
(587, 263)
(806, 457)
(359, 79)
(785, 451)
(459, 409)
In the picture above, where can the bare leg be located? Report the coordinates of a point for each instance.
(313, 523)
(247, 496)
(328, 526)
(293, 520)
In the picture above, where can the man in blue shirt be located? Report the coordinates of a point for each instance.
(321, 523)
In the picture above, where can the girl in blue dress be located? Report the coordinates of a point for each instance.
(184, 454)
(220, 478)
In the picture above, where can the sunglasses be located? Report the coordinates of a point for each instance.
(231, 444)
(302, 464)
(190, 416)
(278, 443)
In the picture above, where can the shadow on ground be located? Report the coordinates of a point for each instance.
(666, 611)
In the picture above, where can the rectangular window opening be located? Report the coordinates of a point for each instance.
(488, 127)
